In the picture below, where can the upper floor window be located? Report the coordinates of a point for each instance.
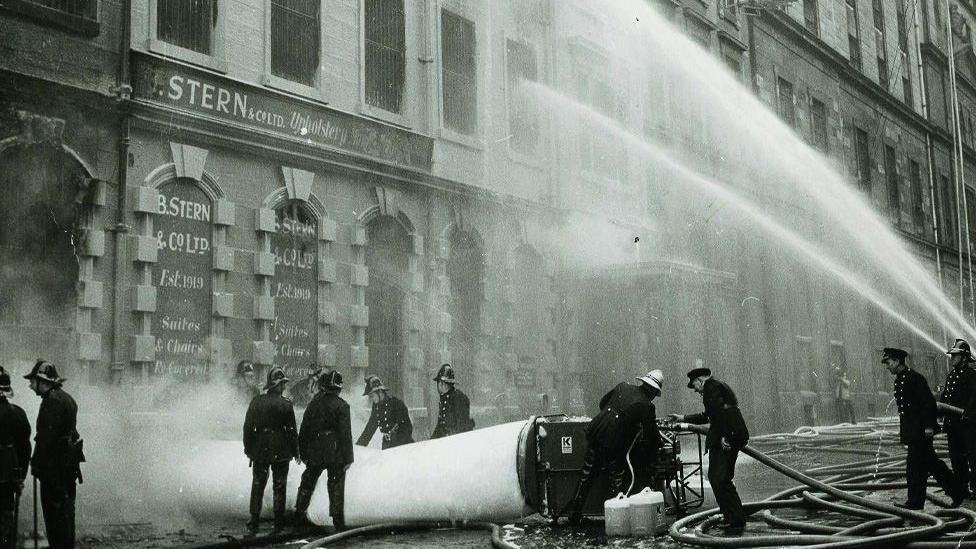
(295, 40)
(523, 118)
(879, 43)
(459, 77)
(188, 24)
(918, 213)
(784, 93)
(811, 16)
(853, 34)
(385, 51)
(862, 154)
(894, 192)
(818, 124)
(75, 15)
(600, 150)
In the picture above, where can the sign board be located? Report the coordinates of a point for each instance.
(525, 377)
(183, 280)
(161, 82)
(295, 290)
(567, 445)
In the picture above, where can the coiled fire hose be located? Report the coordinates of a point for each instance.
(880, 522)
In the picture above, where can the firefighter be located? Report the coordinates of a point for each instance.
(959, 391)
(454, 408)
(325, 444)
(15, 451)
(626, 412)
(303, 391)
(270, 442)
(245, 382)
(916, 428)
(57, 453)
(727, 434)
(389, 413)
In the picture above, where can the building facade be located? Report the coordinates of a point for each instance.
(373, 185)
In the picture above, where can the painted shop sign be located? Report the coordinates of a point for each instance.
(182, 276)
(173, 85)
(524, 377)
(295, 290)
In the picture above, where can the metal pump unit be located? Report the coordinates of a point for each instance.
(550, 456)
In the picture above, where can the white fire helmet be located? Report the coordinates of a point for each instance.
(654, 378)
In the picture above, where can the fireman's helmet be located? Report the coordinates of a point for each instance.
(446, 374)
(330, 380)
(275, 377)
(45, 370)
(654, 378)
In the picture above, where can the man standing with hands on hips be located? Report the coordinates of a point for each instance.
(727, 434)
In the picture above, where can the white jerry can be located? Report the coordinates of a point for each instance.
(646, 512)
(616, 516)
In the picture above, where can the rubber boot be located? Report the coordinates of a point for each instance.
(252, 525)
(339, 522)
(302, 500)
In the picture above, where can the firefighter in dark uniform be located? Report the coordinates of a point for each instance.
(959, 391)
(727, 434)
(270, 442)
(325, 444)
(57, 454)
(388, 413)
(245, 384)
(454, 408)
(917, 426)
(15, 451)
(626, 412)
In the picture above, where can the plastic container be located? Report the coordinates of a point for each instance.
(616, 516)
(646, 512)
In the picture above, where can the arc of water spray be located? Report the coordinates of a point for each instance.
(910, 275)
(770, 225)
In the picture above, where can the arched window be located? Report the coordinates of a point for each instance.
(465, 272)
(387, 256)
(38, 234)
(183, 276)
(294, 330)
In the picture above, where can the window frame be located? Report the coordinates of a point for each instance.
(217, 60)
(856, 59)
(825, 146)
(280, 83)
(475, 139)
(400, 119)
(532, 157)
(47, 15)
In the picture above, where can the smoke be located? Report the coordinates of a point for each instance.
(586, 241)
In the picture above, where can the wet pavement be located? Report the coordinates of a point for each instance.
(754, 481)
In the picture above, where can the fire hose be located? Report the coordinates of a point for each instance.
(880, 521)
(391, 527)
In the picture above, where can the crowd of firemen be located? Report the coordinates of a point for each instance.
(323, 442)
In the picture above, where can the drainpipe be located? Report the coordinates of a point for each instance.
(123, 91)
(929, 151)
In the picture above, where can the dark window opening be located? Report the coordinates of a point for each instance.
(784, 92)
(459, 78)
(387, 256)
(891, 175)
(523, 117)
(863, 159)
(188, 24)
(818, 124)
(811, 17)
(918, 214)
(385, 54)
(853, 34)
(295, 40)
(947, 207)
